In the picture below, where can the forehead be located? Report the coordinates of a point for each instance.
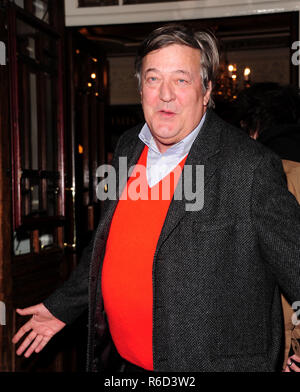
(172, 58)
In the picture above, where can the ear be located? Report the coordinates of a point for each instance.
(140, 90)
(207, 94)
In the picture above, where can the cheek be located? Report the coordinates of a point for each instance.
(185, 98)
(193, 102)
(149, 97)
(150, 94)
(148, 105)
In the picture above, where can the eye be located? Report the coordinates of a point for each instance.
(182, 81)
(152, 79)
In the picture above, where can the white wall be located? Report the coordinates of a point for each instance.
(157, 12)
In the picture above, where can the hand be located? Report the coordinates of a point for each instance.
(43, 326)
(293, 367)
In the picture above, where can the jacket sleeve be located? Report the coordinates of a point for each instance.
(276, 216)
(71, 299)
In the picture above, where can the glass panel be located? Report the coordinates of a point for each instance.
(48, 52)
(52, 195)
(51, 123)
(22, 243)
(46, 238)
(25, 194)
(39, 142)
(32, 200)
(24, 116)
(20, 3)
(41, 9)
(34, 121)
(31, 47)
(35, 202)
(36, 45)
(30, 190)
(27, 36)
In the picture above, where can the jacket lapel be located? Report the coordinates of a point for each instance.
(204, 151)
(132, 151)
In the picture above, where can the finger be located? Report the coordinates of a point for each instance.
(26, 342)
(294, 367)
(27, 311)
(33, 346)
(295, 358)
(287, 369)
(24, 329)
(42, 344)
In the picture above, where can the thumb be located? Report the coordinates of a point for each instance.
(27, 311)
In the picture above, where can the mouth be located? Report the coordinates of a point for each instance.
(167, 113)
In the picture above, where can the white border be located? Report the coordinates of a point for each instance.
(159, 12)
(299, 40)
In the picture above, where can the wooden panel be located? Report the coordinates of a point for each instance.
(35, 276)
(28, 279)
(6, 356)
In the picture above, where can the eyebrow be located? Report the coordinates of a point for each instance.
(180, 71)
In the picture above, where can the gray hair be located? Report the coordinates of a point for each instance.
(181, 35)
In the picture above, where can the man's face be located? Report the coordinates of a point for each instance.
(171, 91)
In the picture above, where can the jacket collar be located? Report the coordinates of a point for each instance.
(206, 144)
(181, 148)
(204, 151)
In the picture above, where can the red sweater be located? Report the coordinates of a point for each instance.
(127, 267)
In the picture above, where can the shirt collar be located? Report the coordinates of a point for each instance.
(182, 147)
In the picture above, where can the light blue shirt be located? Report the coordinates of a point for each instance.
(160, 164)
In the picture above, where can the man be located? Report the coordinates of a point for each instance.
(184, 289)
(270, 114)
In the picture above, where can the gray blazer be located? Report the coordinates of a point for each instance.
(217, 272)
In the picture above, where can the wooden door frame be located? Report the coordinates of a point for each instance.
(6, 356)
(18, 274)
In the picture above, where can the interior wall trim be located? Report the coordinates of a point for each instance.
(182, 10)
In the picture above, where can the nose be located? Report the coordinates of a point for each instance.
(166, 93)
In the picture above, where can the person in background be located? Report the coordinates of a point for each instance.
(270, 113)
